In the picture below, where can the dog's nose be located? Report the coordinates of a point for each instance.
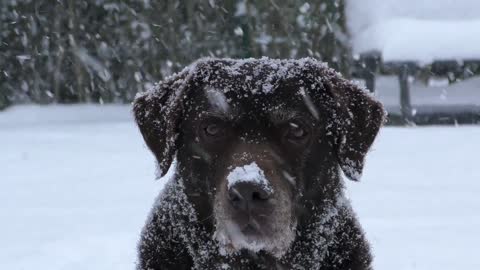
(248, 195)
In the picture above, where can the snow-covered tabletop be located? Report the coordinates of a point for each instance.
(413, 30)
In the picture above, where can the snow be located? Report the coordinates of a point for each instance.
(241, 8)
(92, 63)
(418, 198)
(248, 173)
(425, 94)
(261, 75)
(217, 99)
(77, 185)
(304, 8)
(414, 30)
(238, 31)
(421, 40)
(234, 237)
(309, 103)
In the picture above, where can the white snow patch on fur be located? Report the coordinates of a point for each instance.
(350, 168)
(309, 103)
(233, 238)
(217, 99)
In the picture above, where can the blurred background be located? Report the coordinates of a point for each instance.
(419, 57)
(76, 178)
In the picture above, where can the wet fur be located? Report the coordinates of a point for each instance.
(179, 233)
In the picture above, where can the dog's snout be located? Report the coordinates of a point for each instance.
(247, 195)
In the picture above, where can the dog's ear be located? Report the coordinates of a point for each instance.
(356, 119)
(157, 114)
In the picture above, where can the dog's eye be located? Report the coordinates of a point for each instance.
(296, 131)
(213, 130)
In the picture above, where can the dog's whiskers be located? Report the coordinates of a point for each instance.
(205, 219)
(255, 224)
(289, 178)
(238, 194)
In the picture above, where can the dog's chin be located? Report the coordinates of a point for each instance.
(232, 239)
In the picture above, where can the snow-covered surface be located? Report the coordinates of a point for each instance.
(248, 173)
(436, 93)
(415, 30)
(77, 184)
(418, 199)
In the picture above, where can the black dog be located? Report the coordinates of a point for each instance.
(259, 145)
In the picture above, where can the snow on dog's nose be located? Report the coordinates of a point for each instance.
(248, 187)
(256, 219)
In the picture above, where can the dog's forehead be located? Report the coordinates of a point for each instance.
(258, 87)
(256, 76)
(283, 104)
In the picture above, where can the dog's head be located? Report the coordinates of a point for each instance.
(259, 143)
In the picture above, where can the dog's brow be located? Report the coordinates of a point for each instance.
(283, 115)
(219, 106)
(230, 116)
(217, 100)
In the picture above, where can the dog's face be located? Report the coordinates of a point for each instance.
(249, 154)
(255, 161)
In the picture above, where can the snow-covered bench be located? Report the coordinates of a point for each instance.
(411, 39)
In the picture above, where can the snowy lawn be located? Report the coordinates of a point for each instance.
(76, 184)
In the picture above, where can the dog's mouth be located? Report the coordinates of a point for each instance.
(254, 230)
(272, 233)
(255, 236)
(253, 223)
(252, 212)
(233, 237)
(251, 229)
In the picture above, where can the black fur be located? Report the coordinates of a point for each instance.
(341, 121)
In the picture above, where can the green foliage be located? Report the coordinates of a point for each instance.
(105, 51)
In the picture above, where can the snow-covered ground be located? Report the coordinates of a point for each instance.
(76, 184)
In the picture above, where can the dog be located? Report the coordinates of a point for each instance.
(257, 149)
